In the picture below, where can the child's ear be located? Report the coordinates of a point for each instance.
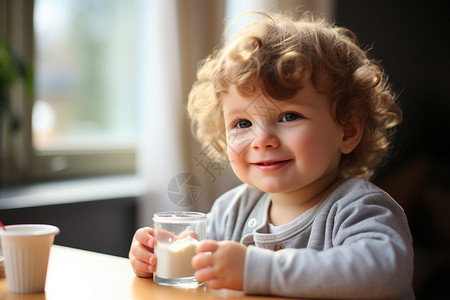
(352, 134)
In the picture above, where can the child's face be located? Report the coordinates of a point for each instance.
(282, 146)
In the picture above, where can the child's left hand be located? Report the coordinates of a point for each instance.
(221, 264)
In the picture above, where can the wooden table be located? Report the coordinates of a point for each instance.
(79, 274)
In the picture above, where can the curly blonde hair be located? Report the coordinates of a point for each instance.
(277, 53)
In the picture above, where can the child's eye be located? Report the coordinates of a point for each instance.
(288, 117)
(243, 124)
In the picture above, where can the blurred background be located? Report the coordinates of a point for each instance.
(96, 139)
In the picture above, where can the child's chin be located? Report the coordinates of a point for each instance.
(272, 189)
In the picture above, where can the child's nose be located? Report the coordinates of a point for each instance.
(265, 139)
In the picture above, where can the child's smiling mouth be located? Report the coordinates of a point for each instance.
(271, 165)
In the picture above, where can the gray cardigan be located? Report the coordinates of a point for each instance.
(357, 245)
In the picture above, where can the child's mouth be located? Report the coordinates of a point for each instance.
(271, 165)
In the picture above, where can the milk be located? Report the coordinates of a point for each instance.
(174, 260)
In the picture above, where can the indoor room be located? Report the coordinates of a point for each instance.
(95, 134)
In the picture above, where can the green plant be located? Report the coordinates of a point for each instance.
(12, 69)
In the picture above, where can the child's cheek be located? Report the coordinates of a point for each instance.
(317, 153)
(237, 145)
(309, 148)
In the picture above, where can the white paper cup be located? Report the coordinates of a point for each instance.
(26, 250)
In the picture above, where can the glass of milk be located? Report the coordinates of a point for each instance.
(177, 235)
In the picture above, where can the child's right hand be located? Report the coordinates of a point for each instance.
(142, 259)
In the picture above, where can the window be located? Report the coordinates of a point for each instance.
(86, 62)
(84, 117)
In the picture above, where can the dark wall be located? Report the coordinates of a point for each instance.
(412, 41)
(105, 226)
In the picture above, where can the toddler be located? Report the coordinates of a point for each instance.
(304, 118)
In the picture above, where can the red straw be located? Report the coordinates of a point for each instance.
(1, 225)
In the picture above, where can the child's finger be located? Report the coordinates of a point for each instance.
(141, 268)
(205, 274)
(142, 253)
(202, 260)
(145, 236)
(207, 246)
(142, 261)
(165, 236)
(215, 284)
(188, 233)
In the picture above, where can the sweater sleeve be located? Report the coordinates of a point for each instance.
(370, 256)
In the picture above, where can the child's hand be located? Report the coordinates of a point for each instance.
(142, 259)
(221, 264)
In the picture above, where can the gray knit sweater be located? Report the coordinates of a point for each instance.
(355, 244)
